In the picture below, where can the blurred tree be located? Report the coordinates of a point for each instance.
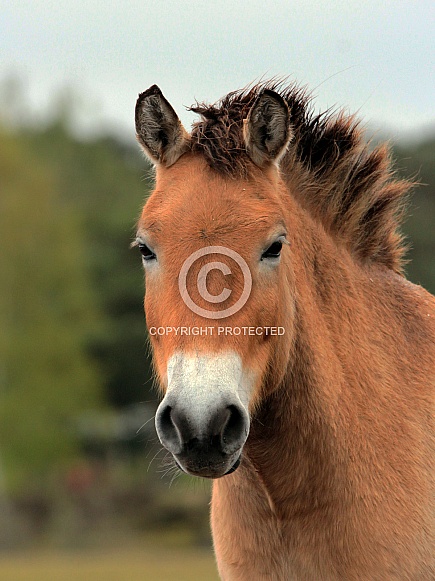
(101, 180)
(13, 100)
(46, 315)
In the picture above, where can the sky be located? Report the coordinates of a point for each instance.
(370, 57)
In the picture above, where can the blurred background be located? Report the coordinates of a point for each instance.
(86, 492)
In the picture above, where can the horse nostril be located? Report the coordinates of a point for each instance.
(167, 430)
(165, 419)
(235, 429)
(223, 429)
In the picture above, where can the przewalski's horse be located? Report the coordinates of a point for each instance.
(311, 404)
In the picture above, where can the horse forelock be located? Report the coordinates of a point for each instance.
(333, 172)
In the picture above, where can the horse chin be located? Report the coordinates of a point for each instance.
(209, 471)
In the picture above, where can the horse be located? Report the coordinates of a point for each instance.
(295, 361)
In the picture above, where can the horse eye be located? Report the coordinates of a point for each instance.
(147, 253)
(273, 251)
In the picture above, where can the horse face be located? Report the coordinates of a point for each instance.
(217, 263)
(217, 349)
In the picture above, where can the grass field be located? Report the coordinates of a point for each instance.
(185, 564)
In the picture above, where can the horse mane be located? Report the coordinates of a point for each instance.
(347, 185)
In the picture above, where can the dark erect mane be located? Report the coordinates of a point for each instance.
(348, 187)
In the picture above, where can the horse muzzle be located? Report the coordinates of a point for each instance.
(203, 419)
(207, 444)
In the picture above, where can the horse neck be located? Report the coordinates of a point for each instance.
(294, 446)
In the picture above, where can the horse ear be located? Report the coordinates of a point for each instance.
(158, 128)
(267, 129)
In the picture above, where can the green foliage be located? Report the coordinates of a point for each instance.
(46, 315)
(102, 181)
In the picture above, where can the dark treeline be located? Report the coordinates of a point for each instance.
(72, 330)
(104, 183)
